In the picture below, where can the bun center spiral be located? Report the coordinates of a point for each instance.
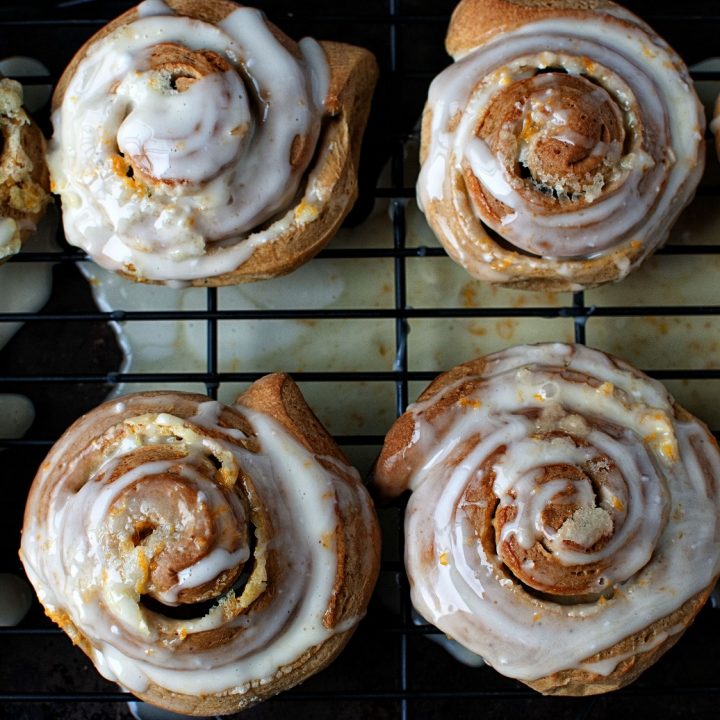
(167, 510)
(557, 137)
(175, 529)
(558, 507)
(563, 131)
(188, 118)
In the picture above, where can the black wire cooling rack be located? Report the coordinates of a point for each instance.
(66, 359)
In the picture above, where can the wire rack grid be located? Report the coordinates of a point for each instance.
(66, 359)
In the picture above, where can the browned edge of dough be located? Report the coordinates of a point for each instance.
(474, 22)
(391, 472)
(579, 683)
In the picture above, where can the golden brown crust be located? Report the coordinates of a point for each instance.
(353, 75)
(577, 683)
(391, 473)
(279, 396)
(358, 542)
(476, 21)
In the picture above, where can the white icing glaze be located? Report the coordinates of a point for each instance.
(211, 566)
(67, 550)
(9, 237)
(662, 498)
(221, 169)
(16, 415)
(148, 8)
(15, 599)
(647, 189)
(215, 104)
(145, 711)
(24, 287)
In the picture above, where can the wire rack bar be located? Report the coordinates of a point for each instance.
(398, 27)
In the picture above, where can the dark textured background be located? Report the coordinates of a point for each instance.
(389, 670)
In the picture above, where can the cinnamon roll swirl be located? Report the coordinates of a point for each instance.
(562, 144)
(564, 521)
(205, 557)
(195, 142)
(24, 183)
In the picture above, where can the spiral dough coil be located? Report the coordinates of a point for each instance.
(565, 516)
(195, 143)
(205, 557)
(560, 147)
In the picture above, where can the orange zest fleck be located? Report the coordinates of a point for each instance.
(470, 403)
